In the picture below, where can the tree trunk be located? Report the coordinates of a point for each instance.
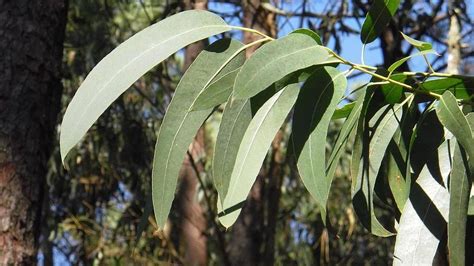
(247, 245)
(31, 44)
(454, 40)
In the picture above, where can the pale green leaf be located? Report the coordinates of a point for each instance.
(310, 33)
(380, 14)
(421, 46)
(461, 88)
(253, 148)
(423, 220)
(314, 108)
(400, 62)
(129, 61)
(217, 92)
(180, 124)
(344, 111)
(277, 59)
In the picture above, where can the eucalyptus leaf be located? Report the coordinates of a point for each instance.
(314, 108)
(253, 148)
(421, 46)
(423, 220)
(400, 62)
(310, 33)
(461, 88)
(180, 124)
(393, 92)
(277, 59)
(344, 111)
(125, 64)
(380, 14)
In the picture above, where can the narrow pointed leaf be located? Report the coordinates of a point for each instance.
(235, 120)
(253, 148)
(392, 92)
(217, 92)
(380, 14)
(421, 46)
(277, 59)
(400, 62)
(313, 111)
(180, 124)
(459, 190)
(451, 116)
(461, 88)
(129, 61)
(344, 111)
(386, 123)
(423, 220)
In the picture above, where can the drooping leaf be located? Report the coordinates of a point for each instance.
(217, 92)
(400, 62)
(451, 116)
(129, 61)
(423, 220)
(392, 92)
(180, 124)
(277, 59)
(374, 146)
(235, 120)
(459, 190)
(461, 88)
(344, 111)
(380, 14)
(310, 33)
(421, 46)
(313, 111)
(253, 148)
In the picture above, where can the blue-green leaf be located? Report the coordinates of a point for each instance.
(380, 14)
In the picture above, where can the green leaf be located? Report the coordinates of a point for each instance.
(217, 92)
(459, 190)
(451, 116)
(461, 88)
(253, 148)
(235, 120)
(470, 210)
(180, 124)
(380, 14)
(344, 111)
(421, 46)
(314, 108)
(129, 61)
(310, 33)
(423, 220)
(400, 62)
(373, 151)
(277, 59)
(392, 92)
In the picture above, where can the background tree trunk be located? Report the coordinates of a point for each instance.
(32, 34)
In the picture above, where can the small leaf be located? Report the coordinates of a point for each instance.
(459, 190)
(277, 59)
(129, 61)
(423, 220)
(421, 46)
(380, 14)
(253, 148)
(344, 111)
(310, 33)
(316, 103)
(217, 92)
(400, 62)
(462, 89)
(180, 124)
(373, 151)
(451, 116)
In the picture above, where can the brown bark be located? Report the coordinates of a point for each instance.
(31, 42)
(252, 238)
(193, 223)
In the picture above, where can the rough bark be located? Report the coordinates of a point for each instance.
(192, 225)
(248, 245)
(31, 42)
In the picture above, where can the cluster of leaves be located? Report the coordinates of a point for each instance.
(387, 121)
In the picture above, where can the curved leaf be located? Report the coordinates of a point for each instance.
(344, 111)
(423, 220)
(380, 14)
(461, 88)
(277, 59)
(421, 46)
(180, 124)
(310, 33)
(400, 62)
(314, 108)
(253, 148)
(129, 61)
(217, 92)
